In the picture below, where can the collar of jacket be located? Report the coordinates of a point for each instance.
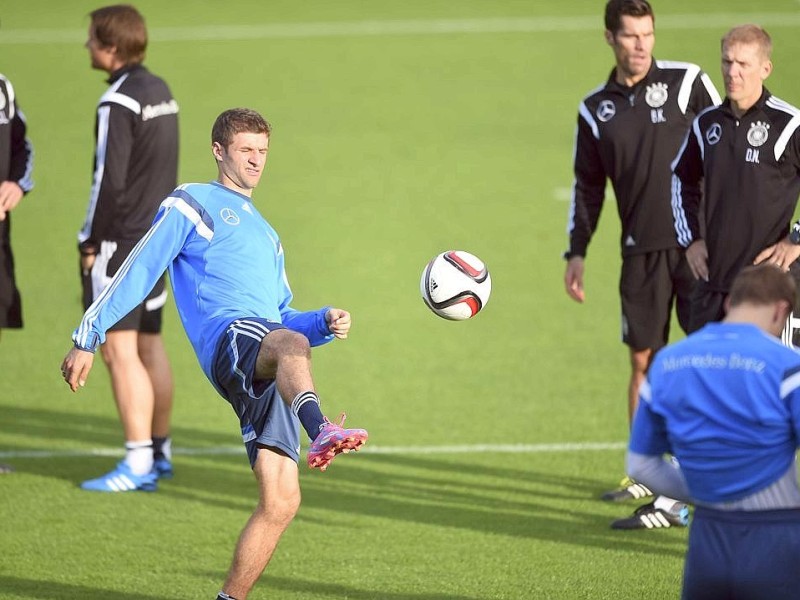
(122, 70)
(758, 106)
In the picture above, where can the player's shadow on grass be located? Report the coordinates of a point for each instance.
(333, 590)
(52, 427)
(98, 430)
(51, 590)
(453, 493)
(460, 494)
(563, 486)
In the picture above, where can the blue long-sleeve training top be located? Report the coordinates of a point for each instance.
(225, 262)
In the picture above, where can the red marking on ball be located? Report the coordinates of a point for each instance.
(473, 305)
(463, 265)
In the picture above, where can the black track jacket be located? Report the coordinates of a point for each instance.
(16, 151)
(136, 156)
(631, 135)
(750, 172)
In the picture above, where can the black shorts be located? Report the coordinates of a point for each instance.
(708, 305)
(648, 286)
(145, 318)
(10, 301)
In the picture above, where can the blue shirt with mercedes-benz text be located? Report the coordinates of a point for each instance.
(726, 402)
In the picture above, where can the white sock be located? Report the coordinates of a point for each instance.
(139, 456)
(665, 503)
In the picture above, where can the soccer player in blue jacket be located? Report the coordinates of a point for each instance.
(226, 266)
(725, 402)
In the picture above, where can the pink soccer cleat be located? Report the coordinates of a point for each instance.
(333, 440)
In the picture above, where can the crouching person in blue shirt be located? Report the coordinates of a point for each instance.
(725, 402)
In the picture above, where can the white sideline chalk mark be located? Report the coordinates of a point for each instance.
(408, 450)
(564, 194)
(211, 33)
(497, 448)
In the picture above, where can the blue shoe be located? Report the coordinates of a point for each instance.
(122, 479)
(163, 468)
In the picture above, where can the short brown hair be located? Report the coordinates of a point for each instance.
(238, 120)
(763, 284)
(616, 9)
(123, 27)
(749, 34)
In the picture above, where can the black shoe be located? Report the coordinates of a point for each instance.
(650, 517)
(628, 490)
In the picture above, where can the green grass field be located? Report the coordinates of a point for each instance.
(401, 129)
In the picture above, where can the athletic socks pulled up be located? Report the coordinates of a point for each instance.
(305, 407)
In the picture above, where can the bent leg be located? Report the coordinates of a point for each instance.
(279, 499)
(285, 356)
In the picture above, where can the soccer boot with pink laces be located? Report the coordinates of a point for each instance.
(333, 439)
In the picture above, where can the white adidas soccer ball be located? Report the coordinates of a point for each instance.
(455, 285)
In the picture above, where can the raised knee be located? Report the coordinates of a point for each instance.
(295, 344)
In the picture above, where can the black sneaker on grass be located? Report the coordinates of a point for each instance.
(628, 490)
(650, 517)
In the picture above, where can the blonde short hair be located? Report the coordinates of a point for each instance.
(749, 34)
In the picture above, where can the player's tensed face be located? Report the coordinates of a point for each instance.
(744, 69)
(242, 162)
(633, 47)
